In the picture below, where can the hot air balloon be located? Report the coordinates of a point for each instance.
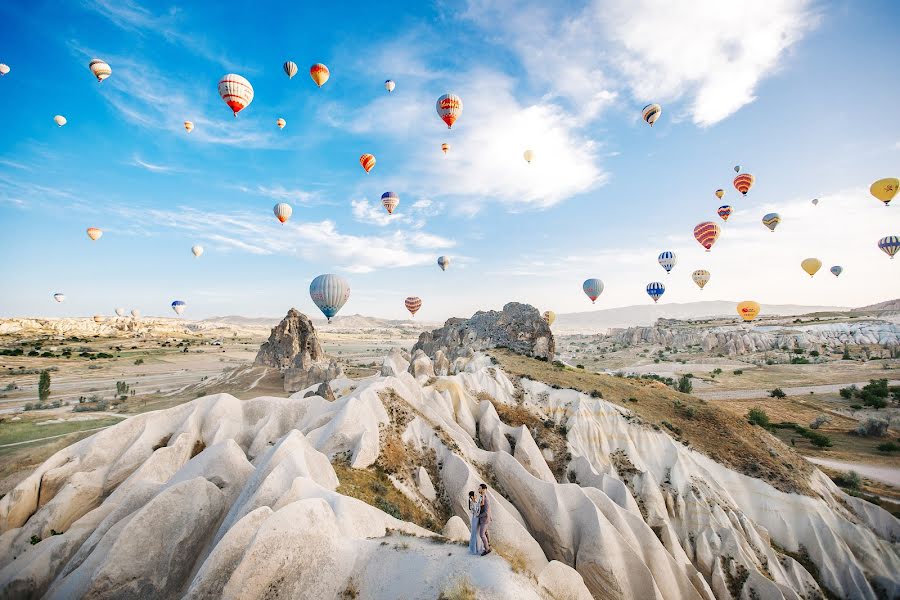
(651, 113)
(59, 297)
(94, 233)
(367, 161)
(120, 312)
(329, 293)
(283, 211)
(197, 250)
(811, 265)
(319, 74)
(885, 189)
(389, 85)
(743, 183)
(889, 245)
(445, 147)
(4, 69)
(390, 200)
(724, 212)
(771, 221)
(179, 306)
(281, 123)
(443, 262)
(667, 260)
(549, 317)
(189, 126)
(593, 288)
(449, 107)
(236, 92)
(655, 290)
(748, 310)
(719, 193)
(290, 68)
(413, 304)
(836, 270)
(60, 120)
(815, 201)
(98, 318)
(528, 156)
(700, 277)
(135, 313)
(100, 69)
(706, 233)
(737, 168)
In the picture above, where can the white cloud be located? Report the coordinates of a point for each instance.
(136, 161)
(283, 194)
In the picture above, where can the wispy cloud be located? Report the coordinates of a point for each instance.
(283, 194)
(136, 161)
(14, 165)
(415, 215)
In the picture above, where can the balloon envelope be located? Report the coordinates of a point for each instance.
(329, 292)
(281, 123)
(885, 189)
(389, 85)
(98, 318)
(706, 234)
(4, 69)
(413, 304)
(59, 297)
(283, 211)
(390, 200)
(94, 233)
(100, 69)
(236, 92)
(651, 113)
(290, 69)
(120, 312)
(60, 120)
(593, 288)
(719, 193)
(549, 316)
(655, 290)
(528, 155)
(367, 161)
(811, 265)
(737, 168)
(449, 107)
(189, 126)
(445, 148)
(443, 262)
(724, 212)
(197, 250)
(836, 270)
(771, 221)
(700, 277)
(178, 306)
(667, 260)
(748, 310)
(743, 183)
(319, 74)
(135, 313)
(815, 201)
(889, 245)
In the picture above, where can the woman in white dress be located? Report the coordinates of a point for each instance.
(475, 544)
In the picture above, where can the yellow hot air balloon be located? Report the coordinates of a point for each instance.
(94, 233)
(549, 316)
(319, 74)
(811, 265)
(719, 193)
(748, 310)
(281, 123)
(885, 189)
(98, 318)
(528, 156)
(188, 126)
(59, 120)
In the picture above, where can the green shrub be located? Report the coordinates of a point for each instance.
(847, 392)
(850, 480)
(684, 385)
(139, 361)
(888, 447)
(758, 416)
(777, 393)
(738, 372)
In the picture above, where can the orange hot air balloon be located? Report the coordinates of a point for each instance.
(445, 148)
(744, 182)
(319, 74)
(94, 233)
(367, 161)
(413, 304)
(706, 233)
(748, 310)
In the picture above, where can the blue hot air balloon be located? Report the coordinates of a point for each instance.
(593, 288)
(329, 292)
(890, 245)
(837, 270)
(667, 260)
(178, 306)
(655, 290)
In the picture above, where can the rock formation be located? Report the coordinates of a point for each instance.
(519, 327)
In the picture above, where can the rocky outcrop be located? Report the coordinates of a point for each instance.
(519, 327)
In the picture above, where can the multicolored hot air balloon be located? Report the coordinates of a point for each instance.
(885, 189)
(528, 155)
(719, 193)
(445, 147)
(197, 250)
(655, 290)
(889, 245)
(443, 262)
(283, 211)
(60, 120)
(120, 312)
(706, 233)
(413, 304)
(815, 201)
(59, 297)
(748, 310)
(100, 69)
(4, 69)
(771, 221)
(667, 260)
(179, 306)
(281, 123)
(724, 211)
(290, 68)
(449, 107)
(700, 277)
(737, 168)
(367, 161)
(743, 183)
(135, 313)
(549, 317)
(188, 126)
(94, 233)
(651, 113)
(836, 270)
(99, 318)
(811, 265)
(329, 292)
(236, 92)
(593, 288)
(319, 74)
(390, 200)
(389, 85)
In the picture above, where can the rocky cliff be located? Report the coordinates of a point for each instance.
(519, 327)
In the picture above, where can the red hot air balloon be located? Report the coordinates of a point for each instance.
(449, 107)
(706, 233)
(743, 183)
(413, 304)
(367, 161)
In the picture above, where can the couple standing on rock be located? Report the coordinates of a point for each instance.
(480, 520)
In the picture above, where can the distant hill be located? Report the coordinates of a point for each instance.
(339, 322)
(629, 316)
(887, 305)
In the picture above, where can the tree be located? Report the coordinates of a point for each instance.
(777, 393)
(758, 416)
(684, 385)
(44, 386)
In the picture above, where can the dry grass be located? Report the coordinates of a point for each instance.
(516, 559)
(373, 487)
(721, 435)
(460, 589)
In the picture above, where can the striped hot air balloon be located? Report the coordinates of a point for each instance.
(443, 262)
(94, 233)
(290, 68)
(413, 304)
(651, 113)
(667, 260)
(236, 92)
(724, 212)
(390, 200)
(100, 69)
(700, 277)
(281, 123)
(549, 317)
(655, 290)
(283, 211)
(593, 288)
(743, 183)
(367, 161)
(889, 245)
(706, 233)
(719, 193)
(188, 126)
(329, 292)
(319, 74)
(771, 221)
(836, 270)
(179, 306)
(748, 310)
(445, 148)
(449, 107)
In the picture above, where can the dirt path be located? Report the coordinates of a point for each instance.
(790, 391)
(887, 475)
(52, 437)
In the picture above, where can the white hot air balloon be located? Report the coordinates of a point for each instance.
(60, 120)
(59, 297)
(528, 156)
(283, 211)
(236, 91)
(100, 69)
(135, 313)
(197, 250)
(120, 312)
(4, 69)
(389, 85)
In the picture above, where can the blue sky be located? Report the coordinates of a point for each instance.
(798, 92)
